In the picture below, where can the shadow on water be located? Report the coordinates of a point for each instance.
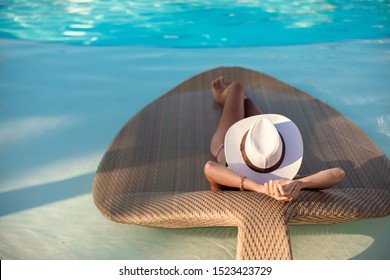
(27, 198)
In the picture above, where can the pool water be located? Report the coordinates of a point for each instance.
(194, 24)
(62, 104)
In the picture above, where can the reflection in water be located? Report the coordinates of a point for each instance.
(384, 125)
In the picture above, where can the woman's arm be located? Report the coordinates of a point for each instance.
(218, 175)
(283, 190)
(318, 181)
(322, 180)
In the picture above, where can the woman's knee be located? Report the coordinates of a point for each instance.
(236, 89)
(209, 167)
(236, 86)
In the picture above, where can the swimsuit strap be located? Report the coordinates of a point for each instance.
(219, 150)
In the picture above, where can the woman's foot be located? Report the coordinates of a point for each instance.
(218, 87)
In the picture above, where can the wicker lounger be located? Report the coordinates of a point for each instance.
(152, 174)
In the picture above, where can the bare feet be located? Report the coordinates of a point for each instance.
(218, 87)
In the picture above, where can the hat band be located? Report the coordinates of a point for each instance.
(254, 167)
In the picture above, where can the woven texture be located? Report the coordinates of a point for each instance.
(152, 174)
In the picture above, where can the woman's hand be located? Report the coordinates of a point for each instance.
(283, 189)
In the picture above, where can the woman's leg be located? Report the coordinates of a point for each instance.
(231, 97)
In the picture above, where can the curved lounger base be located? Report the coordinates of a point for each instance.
(152, 174)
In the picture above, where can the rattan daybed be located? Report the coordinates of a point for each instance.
(152, 174)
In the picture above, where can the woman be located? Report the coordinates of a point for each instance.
(258, 152)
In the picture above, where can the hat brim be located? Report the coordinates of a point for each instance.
(293, 148)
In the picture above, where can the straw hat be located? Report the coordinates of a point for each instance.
(264, 147)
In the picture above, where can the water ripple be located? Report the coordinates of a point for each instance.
(226, 23)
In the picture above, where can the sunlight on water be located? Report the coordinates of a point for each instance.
(188, 24)
(313, 239)
(49, 237)
(55, 171)
(34, 129)
(27, 128)
(52, 238)
(384, 125)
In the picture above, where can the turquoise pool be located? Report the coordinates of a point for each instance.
(194, 24)
(62, 104)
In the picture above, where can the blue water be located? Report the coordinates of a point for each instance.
(62, 104)
(194, 24)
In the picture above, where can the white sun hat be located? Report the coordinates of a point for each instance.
(264, 147)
